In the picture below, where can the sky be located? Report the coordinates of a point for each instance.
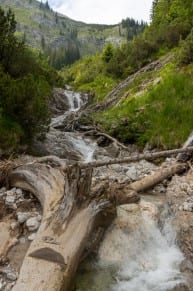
(102, 11)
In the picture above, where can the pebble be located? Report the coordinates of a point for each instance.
(9, 200)
(33, 223)
(19, 192)
(11, 275)
(32, 236)
(22, 216)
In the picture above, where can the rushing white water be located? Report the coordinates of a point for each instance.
(84, 146)
(153, 261)
(74, 100)
(136, 255)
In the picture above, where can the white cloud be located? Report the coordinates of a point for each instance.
(103, 11)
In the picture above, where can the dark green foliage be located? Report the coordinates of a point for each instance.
(25, 80)
(44, 6)
(107, 54)
(25, 102)
(133, 27)
(60, 57)
(185, 55)
(9, 45)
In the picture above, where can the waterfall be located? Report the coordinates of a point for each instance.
(152, 262)
(135, 255)
(83, 146)
(74, 100)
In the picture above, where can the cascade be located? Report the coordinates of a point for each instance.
(136, 255)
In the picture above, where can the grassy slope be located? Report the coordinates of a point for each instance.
(157, 108)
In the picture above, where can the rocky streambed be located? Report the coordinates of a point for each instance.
(148, 247)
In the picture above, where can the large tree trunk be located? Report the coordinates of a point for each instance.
(69, 216)
(71, 213)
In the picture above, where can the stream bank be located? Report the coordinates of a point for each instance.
(155, 260)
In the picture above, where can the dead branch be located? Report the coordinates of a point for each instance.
(147, 156)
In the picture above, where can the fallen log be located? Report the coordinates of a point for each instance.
(135, 158)
(157, 177)
(71, 213)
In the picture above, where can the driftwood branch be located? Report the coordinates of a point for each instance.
(146, 156)
(99, 133)
(157, 177)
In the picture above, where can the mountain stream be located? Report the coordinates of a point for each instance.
(138, 252)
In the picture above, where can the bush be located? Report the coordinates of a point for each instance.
(185, 55)
(24, 102)
(10, 134)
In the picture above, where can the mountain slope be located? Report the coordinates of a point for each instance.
(42, 27)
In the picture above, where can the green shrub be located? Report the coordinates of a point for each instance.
(185, 55)
(24, 102)
(10, 134)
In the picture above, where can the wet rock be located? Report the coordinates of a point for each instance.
(181, 206)
(181, 287)
(56, 143)
(59, 102)
(33, 223)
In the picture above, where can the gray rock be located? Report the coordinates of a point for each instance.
(19, 193)
(11, 275)
(132, 173)
(33, 223)
(22, 216)
(187, 206)
(32, 236)
(3, 190)
(10, 200)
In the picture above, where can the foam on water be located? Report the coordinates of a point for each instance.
(84, 146)
(74, 100)
(152, 262)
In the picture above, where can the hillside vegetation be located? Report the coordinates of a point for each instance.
(156, 107)
(25, 85)
(62, 39)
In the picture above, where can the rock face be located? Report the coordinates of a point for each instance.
(180, 198)
(59, 102)
(57, 143)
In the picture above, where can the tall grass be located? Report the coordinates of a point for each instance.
(163, 117)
